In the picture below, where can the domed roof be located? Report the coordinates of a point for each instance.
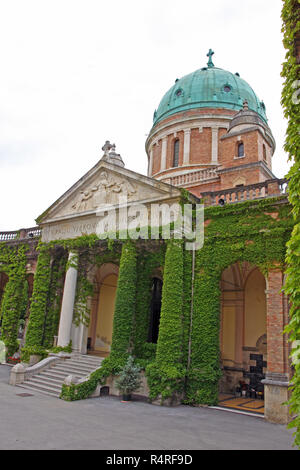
(209, 87)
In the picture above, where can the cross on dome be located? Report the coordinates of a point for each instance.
(210, 62)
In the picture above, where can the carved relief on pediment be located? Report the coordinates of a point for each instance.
(105, 190)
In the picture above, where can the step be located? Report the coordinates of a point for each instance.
(44, 379)
(54, 375)
(49, 381)
(84, 363)
(74, 369)
(77, 365)
(31, 389)
(40, 388)
(85, 360)
(43, 385)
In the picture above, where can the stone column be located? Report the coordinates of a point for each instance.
(277, 376)
(66, 316)
(214, 144)
(187, 146)
(163, 154)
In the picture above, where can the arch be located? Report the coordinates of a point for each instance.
(243, 323)
(102, 311)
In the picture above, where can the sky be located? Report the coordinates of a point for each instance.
(75, 73)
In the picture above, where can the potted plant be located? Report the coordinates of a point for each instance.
(129, 379)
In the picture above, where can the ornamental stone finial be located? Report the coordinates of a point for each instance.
(210, 62)
(107, 147)
(245, 105)
(110, 154)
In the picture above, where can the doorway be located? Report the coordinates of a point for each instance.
(101, 326)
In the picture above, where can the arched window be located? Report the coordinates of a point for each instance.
(155, 310)
(241, 150)
(176, 153)
(264, 153)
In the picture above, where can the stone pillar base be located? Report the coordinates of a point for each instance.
(276, 394)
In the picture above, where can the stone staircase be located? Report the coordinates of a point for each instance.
(50, 381)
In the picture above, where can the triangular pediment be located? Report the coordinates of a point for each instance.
(107, 185)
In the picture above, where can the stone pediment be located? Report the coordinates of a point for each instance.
(106, 186)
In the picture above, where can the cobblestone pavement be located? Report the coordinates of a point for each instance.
(43, 422)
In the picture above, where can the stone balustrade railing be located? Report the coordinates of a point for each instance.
(269, 188)
(205, 174)
(24, 233)
(22, 371)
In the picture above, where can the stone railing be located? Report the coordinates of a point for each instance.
(269, 188)
(199, 176)
(24, 233)
(22, 371)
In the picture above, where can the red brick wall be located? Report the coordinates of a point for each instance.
(251, 176)
(200, 151)
(197, 190)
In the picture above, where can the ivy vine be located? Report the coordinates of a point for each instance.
(291, 108)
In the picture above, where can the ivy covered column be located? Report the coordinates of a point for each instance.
(166, 374)
(204, 372)
(12, 305)
(66, 316)
(38, 308)
(125, 302)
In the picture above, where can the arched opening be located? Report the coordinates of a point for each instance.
(176, 153)
(155, 309)
(103, 306)
(243, 336)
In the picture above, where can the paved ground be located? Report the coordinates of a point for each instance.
(42, 422)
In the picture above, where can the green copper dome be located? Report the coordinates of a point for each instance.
(209, 87)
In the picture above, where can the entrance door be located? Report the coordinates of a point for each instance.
(101, 330)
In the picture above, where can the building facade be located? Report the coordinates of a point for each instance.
(200, 322)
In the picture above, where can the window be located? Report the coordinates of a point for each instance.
(176, 153)
(227, 88)
(241, 150)
(264, 153)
